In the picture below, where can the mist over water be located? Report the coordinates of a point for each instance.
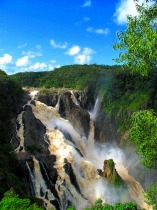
(85, 156)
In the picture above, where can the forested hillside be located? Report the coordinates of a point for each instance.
(72, 76)
(122, 91)
(11, 173)
(10, 97)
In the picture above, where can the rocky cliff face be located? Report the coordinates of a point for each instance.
(109, 171)
(61, 163)
(32, 143)
(85, 98)
(11, 173)
(67, 103)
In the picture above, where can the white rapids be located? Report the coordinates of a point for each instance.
(91, 185)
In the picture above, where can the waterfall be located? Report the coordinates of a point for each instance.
(39, 185)
(33, 93)
(20, 133)
(135, 188)
(32, 179)
(95, 111)
(74, 99)
(58, 104)
(20, 130)
(77, 159)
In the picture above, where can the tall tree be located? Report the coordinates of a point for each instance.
(138, 43)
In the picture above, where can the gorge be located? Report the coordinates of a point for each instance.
(60, 149)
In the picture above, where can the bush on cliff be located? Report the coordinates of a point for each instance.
(12, 201)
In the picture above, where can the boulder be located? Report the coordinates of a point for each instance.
(78, 116)
(34, 132)
(85, 98)
(110, 173)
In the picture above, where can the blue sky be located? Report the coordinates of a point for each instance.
(39, 35)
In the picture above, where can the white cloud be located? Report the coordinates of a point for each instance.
(22, 46)
(73, 50)
(58, 45)
(84, 57)
(87, 3)
(39, 65)
(127, 7)
(6, 59)
(22, 61)
(88, 51)
(32, 54)
(103, 31)
(80, 56)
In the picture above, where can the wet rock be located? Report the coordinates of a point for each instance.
(32, 102)
(105, 128)
(34, 132)
(68, 169)
(24, 156)
(49, 163)
(50, 99)
(85, 98)
(78, 116)
(111, 174)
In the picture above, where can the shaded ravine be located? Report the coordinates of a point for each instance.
(77, 159)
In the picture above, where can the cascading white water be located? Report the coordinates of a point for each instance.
(84, 156)
(58, 103)
(74, 99)
(93, 113)
(39, 186)
(20, 133)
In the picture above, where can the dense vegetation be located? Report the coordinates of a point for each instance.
(138, 44)
(122, 91)
(99, 205)
(73, 76)
(11, 174)
(12, 201)
(10, 97)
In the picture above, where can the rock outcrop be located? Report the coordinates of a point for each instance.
(50, 99)
(34, 132)
(68, 109)
(78, 116)
(110, 173)
(85, 98)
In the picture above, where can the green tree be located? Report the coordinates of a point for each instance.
(99, 205)
(138, 42)
(12, 201)
(138, 45)
(151, 196)
(143, 131)
(2, 73)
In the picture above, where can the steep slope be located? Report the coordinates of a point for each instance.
(11, 95)
(61, 159)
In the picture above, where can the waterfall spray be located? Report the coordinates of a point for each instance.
(77, 162)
